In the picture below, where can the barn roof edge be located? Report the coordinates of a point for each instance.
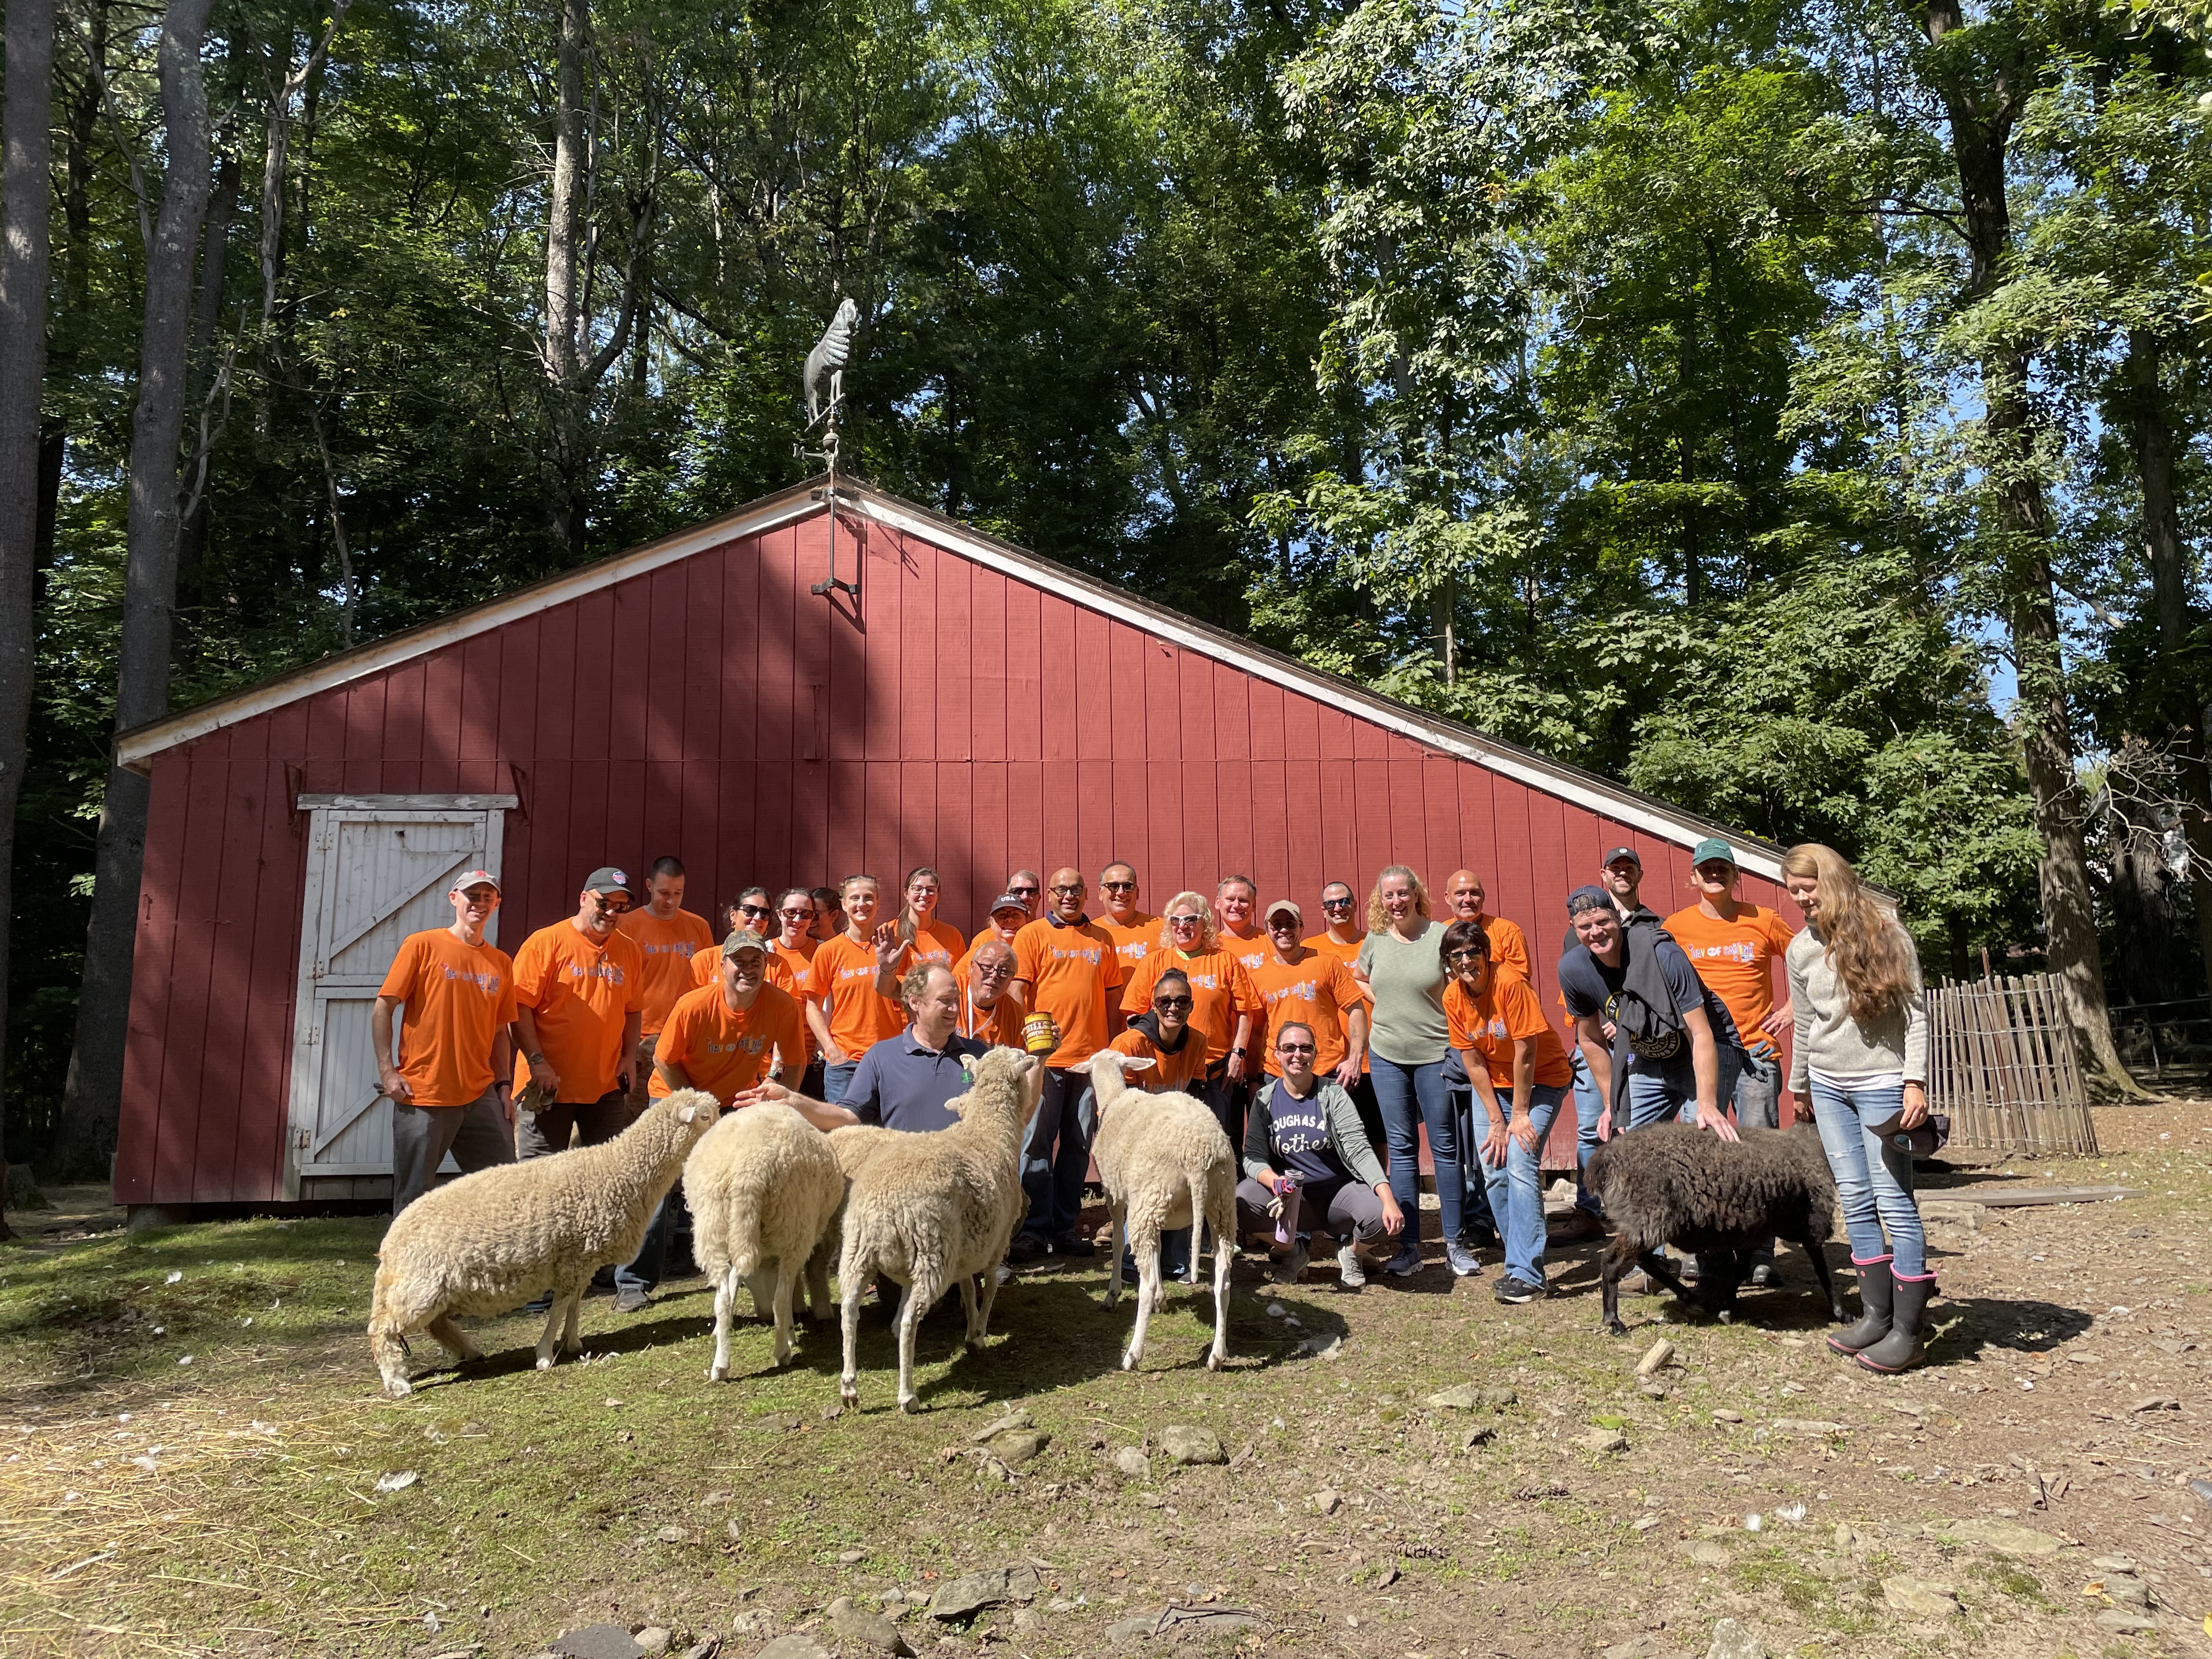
(137, 747)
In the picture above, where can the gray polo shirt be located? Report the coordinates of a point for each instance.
(902, 1083)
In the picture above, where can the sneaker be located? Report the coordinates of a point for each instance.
(1461, 1258)
(1515, 1292)
(1482, 1237)
(1294, 1265)
(538, 1304)
(1406, 1263)
(1349, 1275)
(1074, 1244)
(1578, 1225)
(1001, 1273)
(1637, 1283)
(632, 1298)
(1026, 1248)
(1762, 1271)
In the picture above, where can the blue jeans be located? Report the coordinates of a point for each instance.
(1516, 1187)
(1056, 1154)
(1657, 1097)
(1475, 1204)
(1874, 1180)
(1589, 1107)
(1758, 1092)
(1413, 1097)
(643, 1272)
(836, 1079)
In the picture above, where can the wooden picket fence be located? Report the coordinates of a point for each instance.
(2002, 1064)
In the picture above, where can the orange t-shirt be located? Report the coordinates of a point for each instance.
(1735, 960)
(1184, 1069)
(1491, 1024)
(797, 959)
(723, 1050)
(842, 981)
(458, 997)
(580, 993)
(1249, 953)
(1508, 946)
(1132, 941)
(936, 941)
(1319, 991)
(1074, 975)
(668, 948)
(1001, 1025)
(1346, 954)
(1220, 989)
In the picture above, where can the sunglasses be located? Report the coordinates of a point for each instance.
(1468, 956)
(756, 910)
(1119, 886)
(1017, 892)
(1182, 921)
(799, 915)
(1336, 904)
(607, 909)
(1282, 923)
(1294, 1047)
(1170, 1005)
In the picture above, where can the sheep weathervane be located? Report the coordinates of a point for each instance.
(824, 384)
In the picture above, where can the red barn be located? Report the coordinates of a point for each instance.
(972, 707)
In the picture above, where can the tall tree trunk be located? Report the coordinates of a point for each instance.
(1982, 93)
(26, 165)
(207, 317)
(2153, 433)
(563, 471)
(92, 1095)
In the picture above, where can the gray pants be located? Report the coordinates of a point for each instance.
(1349, 1211)
(546, 1130)
(476, 1135)
(1758, 1091)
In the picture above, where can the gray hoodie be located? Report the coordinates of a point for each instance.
(1828, 1038)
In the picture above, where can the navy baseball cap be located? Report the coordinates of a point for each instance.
(1588, 898)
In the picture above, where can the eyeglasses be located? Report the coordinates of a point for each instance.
(807, 914)
(607, 909)
(1075, 891)
(1468, 956)
(1119, 886)
(1019, 891)
(1336, 904)
(1004, 971)
(1170, 1005)
(1182, 921)
(1294, 1047)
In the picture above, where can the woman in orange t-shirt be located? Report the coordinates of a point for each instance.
(851, 988)
(928, 938)
(1225, 1005)
(1520, 1073)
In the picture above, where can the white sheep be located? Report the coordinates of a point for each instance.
(764, 1189)
(1165, 1164)
(927, 1211)
(495, 1238)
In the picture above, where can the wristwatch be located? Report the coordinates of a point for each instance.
(538, 1059)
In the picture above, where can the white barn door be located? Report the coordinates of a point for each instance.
(379, 868)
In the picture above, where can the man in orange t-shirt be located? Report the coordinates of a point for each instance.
(447, 1088)
(1314, 988)
(722, 1036)
(1065, 965)
(667, 935)
(988, 1013)
(1234, 901)
(579, 999)
(1135, 935)
(1735, 948)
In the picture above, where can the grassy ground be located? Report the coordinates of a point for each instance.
(194, 1458)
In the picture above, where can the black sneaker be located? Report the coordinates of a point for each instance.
(1515, 1292)
(1074, 1244)
(1026, 1248)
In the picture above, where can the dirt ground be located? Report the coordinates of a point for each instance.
(194, 1458)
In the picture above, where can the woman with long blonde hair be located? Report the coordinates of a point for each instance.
(1860, 1057)
(1407, 1038)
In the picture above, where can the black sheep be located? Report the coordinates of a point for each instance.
(1668, 1183)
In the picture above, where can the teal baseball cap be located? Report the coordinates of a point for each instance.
(1710, 848)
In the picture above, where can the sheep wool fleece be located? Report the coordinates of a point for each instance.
(764, 1190)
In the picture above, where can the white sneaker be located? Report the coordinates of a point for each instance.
(1349, 1274)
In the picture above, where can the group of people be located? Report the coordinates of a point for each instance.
(1400, 1017)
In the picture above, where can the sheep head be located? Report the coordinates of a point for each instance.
(1109, 1069)
(1001, 1073)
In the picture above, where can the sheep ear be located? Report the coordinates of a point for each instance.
(968, 1066)
(1138, 1063)
(687, 1115)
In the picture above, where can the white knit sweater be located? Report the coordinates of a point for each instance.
(1831, 1041)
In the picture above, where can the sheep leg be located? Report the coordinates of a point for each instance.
(818, 1284)
(1147, 1247)
(1618, 1256)
(967, 1305)
(761, 1286)
(919, 1296)
(549, 1343)
(850, 1282)
(1224, 1244)
(1818, 1258)
(455, 1339)
(1656, 1268)
(572, 1339)
(1121, 1214)
(726, 1295)
(786, 1282)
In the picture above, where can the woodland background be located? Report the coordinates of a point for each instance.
(1797, 409)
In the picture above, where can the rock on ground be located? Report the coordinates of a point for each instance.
(1134, 1463)
(1734, 1640)
(864, 1628)
(1920, 1598)
(2006, 1537)
(1187, 1442)
(795, 1647)
(598, 1642)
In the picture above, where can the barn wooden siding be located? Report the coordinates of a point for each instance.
(714, 708)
